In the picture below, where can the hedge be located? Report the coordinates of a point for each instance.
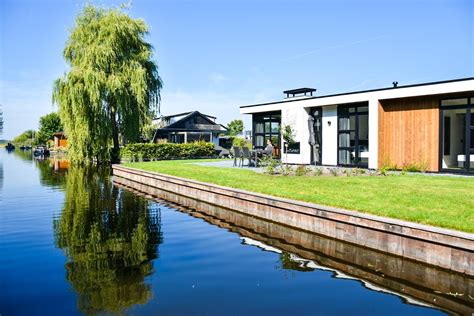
(167, 151)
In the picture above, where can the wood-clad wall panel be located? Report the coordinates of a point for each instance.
(409, 132)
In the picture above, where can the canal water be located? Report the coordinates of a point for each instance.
(73, 242)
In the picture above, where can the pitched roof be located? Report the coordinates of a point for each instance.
(201, 122)
(186, 113)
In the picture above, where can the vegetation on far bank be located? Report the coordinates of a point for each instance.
(48, 125)
(441, 201)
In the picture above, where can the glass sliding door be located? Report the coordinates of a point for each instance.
(457, 135)
(353, 135)
(266, 126)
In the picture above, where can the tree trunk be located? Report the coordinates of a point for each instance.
(116, 149)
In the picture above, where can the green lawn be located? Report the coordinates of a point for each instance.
(439, 201)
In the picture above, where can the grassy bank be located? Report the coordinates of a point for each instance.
(439, 201)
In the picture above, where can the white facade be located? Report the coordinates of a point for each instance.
(329, 135)
(294, 111)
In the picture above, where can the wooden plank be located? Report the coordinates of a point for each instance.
(409, 132)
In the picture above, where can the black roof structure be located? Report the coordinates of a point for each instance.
(294, 92)
(194, 121)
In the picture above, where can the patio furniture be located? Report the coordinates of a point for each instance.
(258, 156)
(237, 153)
(246, 155)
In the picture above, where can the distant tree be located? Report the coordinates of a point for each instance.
(148, 131)
(235, 127)
(112, 87)
(48, 125)
(24, 139)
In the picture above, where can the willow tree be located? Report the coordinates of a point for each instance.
(112, 88)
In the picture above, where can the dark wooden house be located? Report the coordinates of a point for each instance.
(188, 127)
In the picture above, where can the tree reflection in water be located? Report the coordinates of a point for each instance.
(110, 237)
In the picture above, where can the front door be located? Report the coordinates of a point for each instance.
(457, 135)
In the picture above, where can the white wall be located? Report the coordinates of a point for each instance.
(373, 133)
(297, 118)
(329, 151)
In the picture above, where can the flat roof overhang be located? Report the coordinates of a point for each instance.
(423, 89)
(170, 130)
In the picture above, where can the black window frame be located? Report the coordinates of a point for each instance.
(469, 125)
(344, 111)
(274, 116)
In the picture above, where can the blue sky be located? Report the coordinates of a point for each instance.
(214, 56)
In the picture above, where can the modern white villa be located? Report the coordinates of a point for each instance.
(428, 124)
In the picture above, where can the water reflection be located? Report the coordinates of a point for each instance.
(24, 155)
(414, 282)
(1, 176)
(109, 237)
(50, 174)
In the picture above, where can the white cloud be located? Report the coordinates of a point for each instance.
(216, 77)
(341, 45)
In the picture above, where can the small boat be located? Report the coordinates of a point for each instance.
(10, 146)
(41, 151)
(25, 147)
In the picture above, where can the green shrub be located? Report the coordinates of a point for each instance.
(241, 142)
(415, 167)
(358, 171)
(270, 164)
(318, 172)
(286, 169)
(301, 170)
(389, 166)
(167, 151)
(334, 171)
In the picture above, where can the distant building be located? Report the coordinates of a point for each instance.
(188, 127)
(248, 134)
(60, 140)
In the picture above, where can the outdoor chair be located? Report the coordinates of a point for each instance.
(237, 153)
(246, 155)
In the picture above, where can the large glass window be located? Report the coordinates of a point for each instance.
(457, 130)
(196, 137)
(471, 136)
(266, 126)
(353, 135)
